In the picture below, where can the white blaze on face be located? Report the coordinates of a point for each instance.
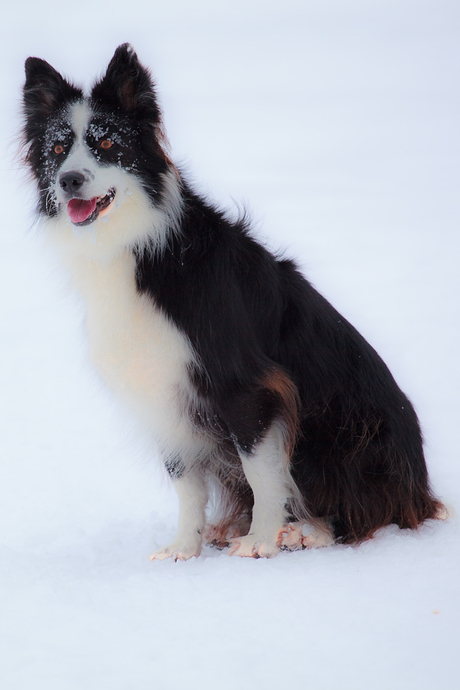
(97, 179)
(79, 157)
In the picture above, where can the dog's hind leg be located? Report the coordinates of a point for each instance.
(193, 496)
(267, 472)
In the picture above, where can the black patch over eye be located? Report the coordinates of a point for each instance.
(106, 144)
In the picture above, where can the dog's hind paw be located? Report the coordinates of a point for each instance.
(220, 535)
(290, 537)
(301, 535)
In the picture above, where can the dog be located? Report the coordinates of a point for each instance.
(264, 401)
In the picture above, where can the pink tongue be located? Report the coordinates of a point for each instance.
(80, 209)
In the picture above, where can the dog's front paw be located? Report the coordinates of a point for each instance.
(177, 550)
(253, 546)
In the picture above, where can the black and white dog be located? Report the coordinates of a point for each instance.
(260, 395)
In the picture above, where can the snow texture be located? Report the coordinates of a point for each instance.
(336, 123)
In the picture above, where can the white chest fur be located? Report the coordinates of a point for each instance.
(139, 353)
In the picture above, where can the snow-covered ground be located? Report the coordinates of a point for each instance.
(336, 123)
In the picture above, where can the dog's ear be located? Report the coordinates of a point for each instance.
(127, 86)
(45, 91)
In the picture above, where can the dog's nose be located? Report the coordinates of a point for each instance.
(71, 181)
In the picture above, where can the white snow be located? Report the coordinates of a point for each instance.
(337, 124)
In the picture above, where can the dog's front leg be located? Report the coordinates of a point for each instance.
(267, 472)
(192, 492)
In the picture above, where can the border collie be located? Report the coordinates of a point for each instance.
(263, 399)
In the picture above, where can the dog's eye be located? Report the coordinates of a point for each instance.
(106, 144)
(58, 149)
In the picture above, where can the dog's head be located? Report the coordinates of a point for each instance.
(91, 156)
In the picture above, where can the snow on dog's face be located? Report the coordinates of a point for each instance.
(98, 161)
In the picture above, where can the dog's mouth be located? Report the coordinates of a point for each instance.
(85, 211)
